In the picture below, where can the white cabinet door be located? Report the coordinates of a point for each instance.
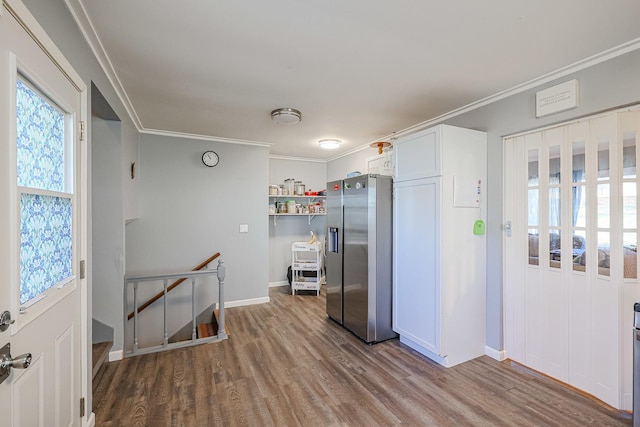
(418, 156)
(416, 282)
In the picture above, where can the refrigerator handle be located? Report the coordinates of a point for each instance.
(333, 239)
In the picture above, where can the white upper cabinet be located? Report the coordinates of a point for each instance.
(420, 154)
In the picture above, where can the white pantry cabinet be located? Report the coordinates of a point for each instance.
(439, 264)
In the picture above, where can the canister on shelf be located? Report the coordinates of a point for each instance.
(299, 188)
(272, 209)
(291, 206)
(273, 190)
(289, 186)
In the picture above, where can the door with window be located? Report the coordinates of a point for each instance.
(571, 253)
(42, 225)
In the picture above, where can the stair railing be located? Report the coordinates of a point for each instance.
(171, 287)
(220, 272)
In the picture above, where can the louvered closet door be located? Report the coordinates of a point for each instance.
(570, 262)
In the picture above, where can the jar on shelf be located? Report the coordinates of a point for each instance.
(299, 188)
(273, 190)
(289, 187)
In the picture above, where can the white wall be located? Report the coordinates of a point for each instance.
(287, 230)
(339, 168)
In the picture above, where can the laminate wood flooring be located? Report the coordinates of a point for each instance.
(287, 364)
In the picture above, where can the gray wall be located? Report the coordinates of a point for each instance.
(189, 211)
(287, 230)
(108, 224)
(608, 85)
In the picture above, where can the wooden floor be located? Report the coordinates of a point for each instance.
(286, 364)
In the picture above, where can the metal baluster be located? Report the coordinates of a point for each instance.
(166, 338)
(221, 275)
(135, 317)
(193, 309)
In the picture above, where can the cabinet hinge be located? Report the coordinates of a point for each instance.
(81, 407)
(83, 132)
(82, 269)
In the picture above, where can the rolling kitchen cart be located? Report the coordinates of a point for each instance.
(306, 266)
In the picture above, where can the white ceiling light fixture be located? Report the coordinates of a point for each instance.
(286, 116)
(329, 144)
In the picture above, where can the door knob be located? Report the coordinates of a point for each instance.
(7, 362)
(5, 321)
(21, 362)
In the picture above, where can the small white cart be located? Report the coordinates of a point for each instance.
(306, 259)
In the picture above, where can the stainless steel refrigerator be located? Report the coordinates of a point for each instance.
(359, 255)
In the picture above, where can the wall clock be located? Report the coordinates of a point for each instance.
(210, 158)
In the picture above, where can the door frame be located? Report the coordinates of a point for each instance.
(20, 12)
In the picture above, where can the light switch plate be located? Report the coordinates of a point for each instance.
(244, 228)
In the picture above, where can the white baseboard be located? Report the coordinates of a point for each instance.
(278, 284)
(243, 302)
(498, 355)
(116, 355)
(91, 420)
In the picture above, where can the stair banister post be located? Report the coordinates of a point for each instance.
(193, 309)
(135, 317)
(221, 272)
(166, 337)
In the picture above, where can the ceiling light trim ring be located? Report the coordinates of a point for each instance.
(286, 116)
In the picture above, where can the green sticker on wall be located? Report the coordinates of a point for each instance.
(478, 228)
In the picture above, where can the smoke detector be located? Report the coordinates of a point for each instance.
(286, 116)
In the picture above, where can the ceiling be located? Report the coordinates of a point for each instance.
(358, 70)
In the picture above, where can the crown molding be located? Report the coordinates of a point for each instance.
(87, 29)
(297, 159)
(160, 132)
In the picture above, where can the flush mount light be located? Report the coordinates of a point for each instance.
(329, 144)
(286, 116)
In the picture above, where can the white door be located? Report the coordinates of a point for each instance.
(571, 252)
(42, 225)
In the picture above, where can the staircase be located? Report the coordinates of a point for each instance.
(211, 329)
(198, 331)
(100, 357)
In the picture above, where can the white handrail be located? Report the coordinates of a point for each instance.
(220, 272)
